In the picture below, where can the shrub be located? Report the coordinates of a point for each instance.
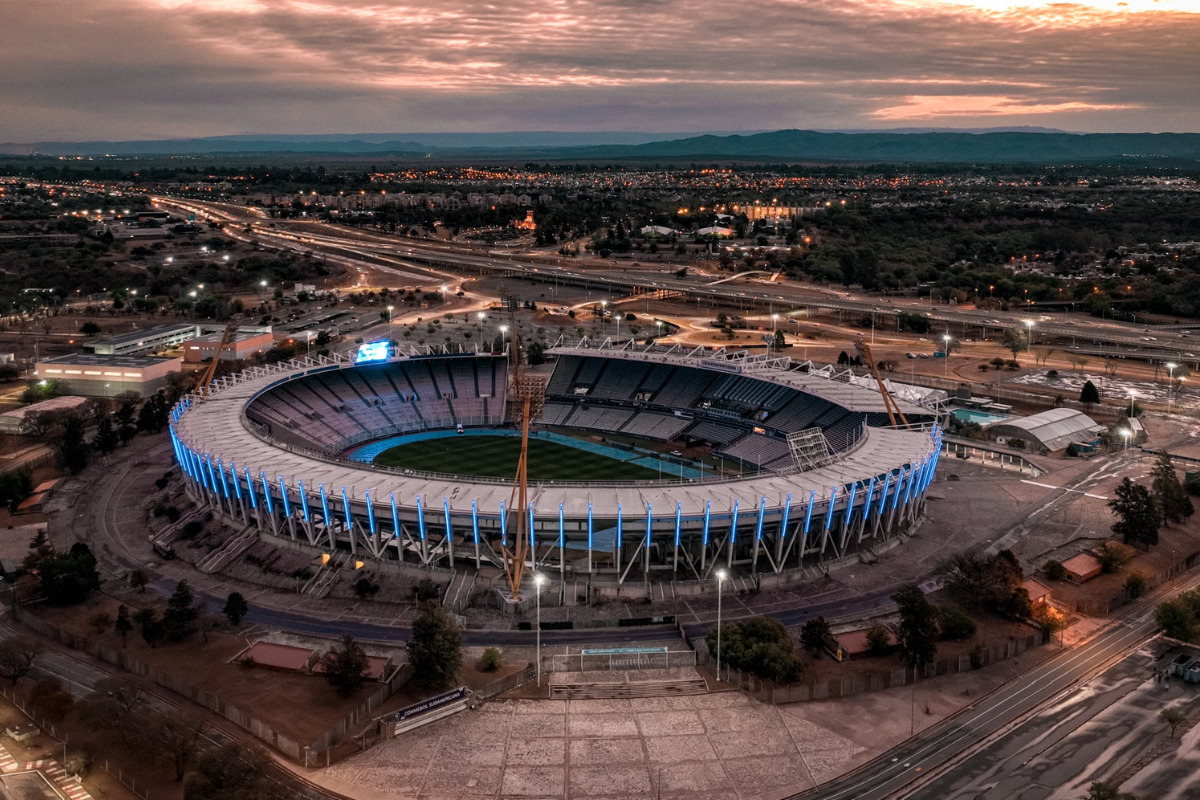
(954, 624)
(879, 640)
(1136, 585)
(490, 662)
(1111, 559)
(426, 589)
(365, 588)
(1054, 570)
(760, 645)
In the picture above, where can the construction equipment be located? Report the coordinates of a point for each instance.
(889, 403)
(210, 372)
(526, 395)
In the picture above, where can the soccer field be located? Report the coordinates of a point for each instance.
(496, 457)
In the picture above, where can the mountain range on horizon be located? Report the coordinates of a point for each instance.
(910, 145)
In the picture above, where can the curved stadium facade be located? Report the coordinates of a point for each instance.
(824, 474)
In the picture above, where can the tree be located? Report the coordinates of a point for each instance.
(99, 622)
(1172, 503)
(1089, 394)
(138, 580)
(918, 626)
(1137, 516)
(235, 608)
(69, 578)
(229, 772)
(89, 329)
(177, 737)
(954, 624)
(152, 627)
(179, 620)
(992, 583)
(71, 449)
(123, 625)
(436, 648)
(815, 634)
(535, 354)
(1175, 618)
(17, 655)
(879, 639)
(780, 340)
(106, 438)
(114, 704)
(345, 664)
(760, 645)
(1016, 341)
(1173, 717)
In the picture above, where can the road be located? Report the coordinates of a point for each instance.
(963, 735)
(1137, 341)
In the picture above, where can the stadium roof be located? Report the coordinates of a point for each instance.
(216, 425)
(858, 395)
(1053, 429)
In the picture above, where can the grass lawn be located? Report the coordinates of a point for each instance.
(496, 457)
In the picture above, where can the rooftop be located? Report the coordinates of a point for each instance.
(97, 360)
(134, 337)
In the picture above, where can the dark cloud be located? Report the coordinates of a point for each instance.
(146, 68)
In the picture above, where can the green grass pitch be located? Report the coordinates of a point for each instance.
(497, 456)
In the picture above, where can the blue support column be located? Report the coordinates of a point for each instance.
(787, 510)
(325, 520)
(303, 500)
(237, 485)
(850, 505)
(420, 518)
(812, 497)
(221, 474)
(503, 526)
(678, 521)
(829, 513)
(707, 514)
(762, 513)
(562, 532)
(287, 507)
(396, 517)
(887, 481)
(474, 521)
(250, 489)
(619, 542)
(446, 513)
(648, 524)
(532, 543)
(370, 512)
(266, 488)
(346, 512)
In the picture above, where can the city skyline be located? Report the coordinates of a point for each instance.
(147, 69)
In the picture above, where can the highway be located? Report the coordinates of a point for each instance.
(359, 247)
(964, 734)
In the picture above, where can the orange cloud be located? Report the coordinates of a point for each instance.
(917, 107)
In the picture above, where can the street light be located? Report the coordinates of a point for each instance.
(946, 354)
(538, 580)
(1132, 394)
(1125, 432)
(603, 315)
(1171, 365)
(1029, 324)
(482, 316)
(391, 330)
(721, 574)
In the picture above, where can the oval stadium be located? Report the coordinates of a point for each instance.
(645, 464)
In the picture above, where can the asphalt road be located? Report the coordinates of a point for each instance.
(961, 736)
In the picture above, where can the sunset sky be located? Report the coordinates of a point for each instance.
(134, 69)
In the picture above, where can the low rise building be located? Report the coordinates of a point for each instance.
(242, 345)
(96, 375)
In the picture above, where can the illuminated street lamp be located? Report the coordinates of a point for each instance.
(1170, 365)
(1029, 325)
(721, 575)
(482, 316)
(391, 329)
(1125, 432)
(1132, 394)
(946, 353)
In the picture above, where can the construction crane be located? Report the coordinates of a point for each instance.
(889, 403)
(210, 372)
(526, 395)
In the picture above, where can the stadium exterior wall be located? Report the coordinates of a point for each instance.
(668, 530)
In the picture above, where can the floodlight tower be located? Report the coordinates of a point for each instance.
(525, 395)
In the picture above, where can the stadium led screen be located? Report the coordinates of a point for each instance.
(371, 351)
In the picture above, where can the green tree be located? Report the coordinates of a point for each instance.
(123, 625)
(230, 772)
(1137, 515)
(179, 620)
(780, 340)
(954, 624)
(151, 626)
(235, 608)
(814, 636)
(760, 645)
(71, 448)
(1176, 619)
(89, 329)
(1016, 341)
(436, 648)
(535, 354)
(918, 626)
(344, 666)
(69, 578)
(879, 639)
(106, 438)
(1089, 394)
(1172, 503)
(991, 583)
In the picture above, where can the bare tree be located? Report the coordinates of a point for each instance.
(17, 655)
(1110, 367)
(1042, 354)
(1078, 361)
(178, 737)
(115, 704)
